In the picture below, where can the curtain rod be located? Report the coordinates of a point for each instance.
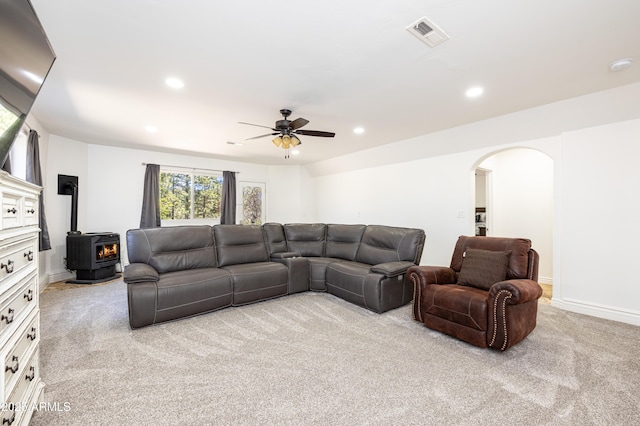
(191, 168)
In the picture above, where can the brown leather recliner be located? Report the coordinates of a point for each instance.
(487, 297)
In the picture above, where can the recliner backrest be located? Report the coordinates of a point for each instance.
(523, 262)
(237, 244)
(343, 241)
(274, 237)
(308, 239)
(172, 248)
(381, 244)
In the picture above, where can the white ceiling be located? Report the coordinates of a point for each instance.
(339, 64)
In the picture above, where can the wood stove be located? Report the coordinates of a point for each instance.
(93, 256)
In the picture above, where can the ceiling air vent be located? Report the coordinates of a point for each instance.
(428, 32)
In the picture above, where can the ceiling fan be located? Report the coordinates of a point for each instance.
(286, 131)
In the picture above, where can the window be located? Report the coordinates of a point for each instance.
(190, 196)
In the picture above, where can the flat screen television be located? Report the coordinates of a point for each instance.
(26, 58)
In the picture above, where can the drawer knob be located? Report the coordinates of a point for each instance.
(9, 317)
(12, 210)
(31, 376)
(8, 266)
(29, 255)
(29, 295)
(32, 335)
(31, 211)
(11, 420)
(15, 367)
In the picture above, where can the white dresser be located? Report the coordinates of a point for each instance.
(21, 388)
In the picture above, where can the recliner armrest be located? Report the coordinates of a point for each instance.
(140, 272)
(285, 255)
(422, 275)
(391, 269)
(521, 290)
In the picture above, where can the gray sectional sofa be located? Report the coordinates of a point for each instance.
(177, 272)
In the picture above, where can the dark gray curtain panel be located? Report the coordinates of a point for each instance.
(7, 164)
(228, 198)
(150, 217)
(34, 175)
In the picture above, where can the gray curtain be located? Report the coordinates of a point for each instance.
(150, 217)
(228, 199)
(34, 175)
(7, 164)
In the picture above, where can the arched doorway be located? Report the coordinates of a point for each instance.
(514, 198)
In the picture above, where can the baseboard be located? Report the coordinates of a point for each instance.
(60, 276)
(545, 280)
(599, 311)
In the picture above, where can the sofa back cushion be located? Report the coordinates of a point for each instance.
(274, 237)
(343, 241)
(237, 244)
(381, 244)
(519, 262)
(172, 248)
(306, 238)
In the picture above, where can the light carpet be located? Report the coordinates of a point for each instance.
(315, 359)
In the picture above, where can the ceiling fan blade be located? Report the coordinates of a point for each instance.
(257, 125)
(262, 136)
(298, 122)
(315, 133)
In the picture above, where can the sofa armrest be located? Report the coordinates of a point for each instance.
(519, 291)
(391, 269)
(422, 275)
(285, 255)
(140, 272)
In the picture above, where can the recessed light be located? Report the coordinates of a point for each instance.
(358, 130)
(174, 83)
(474, 92)
(151, 129)
(620, 64)
(295, 152)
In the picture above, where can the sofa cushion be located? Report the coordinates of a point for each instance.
(466, 306)
(185, 293)
(274, 237)
(381, 244)
(237, 244)
(483, 268)
(306, 238)
(343, 240)
(173, 248)
(253, 282)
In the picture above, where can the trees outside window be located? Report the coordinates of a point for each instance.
(189, 196)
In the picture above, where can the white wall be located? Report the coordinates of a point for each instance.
(599, 221)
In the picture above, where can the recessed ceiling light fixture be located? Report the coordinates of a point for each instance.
(620, 64)
(151, 129)
(474, 92)
(174, 83)
(358, 130)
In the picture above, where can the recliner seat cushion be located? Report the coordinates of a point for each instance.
(347, 280)
(457, 304)
(258, 281)
(190, 292)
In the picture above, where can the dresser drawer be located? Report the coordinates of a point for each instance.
(18, 304)
(21, 351)
(10, 210)
(17, 405)
(31, 211)
(14, 257)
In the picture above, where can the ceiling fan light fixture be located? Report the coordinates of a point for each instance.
(277, 141)
(295, 141)
(286, 141)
